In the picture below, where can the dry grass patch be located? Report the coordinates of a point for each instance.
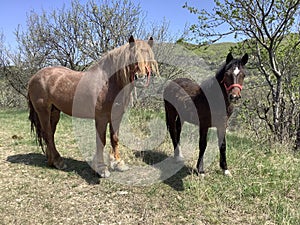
(264, 189)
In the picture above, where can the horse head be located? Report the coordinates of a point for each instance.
(233, 76)
(143, 62)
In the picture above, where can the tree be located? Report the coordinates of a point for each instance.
(1, 50)
(78, 35)
(73, 37)
(8, 96)
(271, 31)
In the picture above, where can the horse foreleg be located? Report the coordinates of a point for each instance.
(202, 147)
(222, 147)
(98, 163)
(116, 162)
(177, 151)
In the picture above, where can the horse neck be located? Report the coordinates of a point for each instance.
(120, 81)
(115, 63)
(213, 85)
(110, 66)
(229, 106)
(219, 77)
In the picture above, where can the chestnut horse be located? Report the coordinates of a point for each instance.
(207, 105)
(101, 93)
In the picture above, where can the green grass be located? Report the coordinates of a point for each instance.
(264, 189)
(215, 53)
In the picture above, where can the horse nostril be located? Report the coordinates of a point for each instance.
(232, 97)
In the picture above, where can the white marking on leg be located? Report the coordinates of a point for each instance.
(227, 173)
(236, 71)
(178, 154)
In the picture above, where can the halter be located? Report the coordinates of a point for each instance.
(232, 86)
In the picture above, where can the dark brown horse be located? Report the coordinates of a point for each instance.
(101, 93)
(207, 105)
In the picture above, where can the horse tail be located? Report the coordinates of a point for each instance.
(35, 124)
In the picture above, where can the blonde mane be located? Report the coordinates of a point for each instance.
(120, 61)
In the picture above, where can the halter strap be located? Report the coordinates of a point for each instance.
(148, 75)
(133, 73)
(233, 86)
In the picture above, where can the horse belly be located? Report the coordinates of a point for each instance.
(189, 116)
(64, 107)
(62, 98)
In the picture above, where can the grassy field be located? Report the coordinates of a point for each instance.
(264, 189)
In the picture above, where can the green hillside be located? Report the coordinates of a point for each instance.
(213, 53)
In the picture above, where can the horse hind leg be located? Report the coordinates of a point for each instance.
(54, 118)
(172, 122)
(48, 118)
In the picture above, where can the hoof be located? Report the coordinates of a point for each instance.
(179, 159)
(102, 171)
(227, 173)
(199, 173)
(119, 166)
(59, 164)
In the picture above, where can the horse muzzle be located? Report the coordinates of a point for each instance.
(142, 80)
(234, 94)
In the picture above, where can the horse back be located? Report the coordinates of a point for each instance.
(190, 87)
(54, 86)
(188, 99)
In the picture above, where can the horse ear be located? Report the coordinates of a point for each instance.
(245, 59)
(229, 58)
(150, 41)
(131, 41)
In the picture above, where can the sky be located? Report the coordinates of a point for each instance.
(14, 13)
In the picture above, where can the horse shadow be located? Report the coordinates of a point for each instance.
(83, 169)
(175, 174)
(39, 160)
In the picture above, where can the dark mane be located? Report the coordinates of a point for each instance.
(220, 73)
